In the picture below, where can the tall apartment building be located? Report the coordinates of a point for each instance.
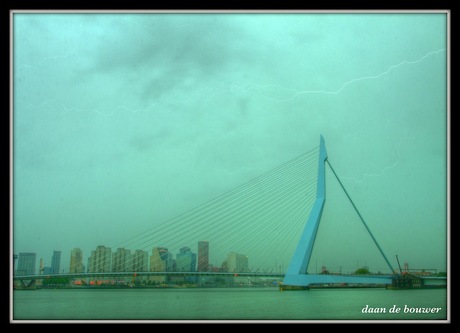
(26, 263)
(203, 256)
(140, 261)
(100, 260)
(76, 261)
(56, 262)
(122, 261)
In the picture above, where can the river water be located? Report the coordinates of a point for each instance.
(227, 305)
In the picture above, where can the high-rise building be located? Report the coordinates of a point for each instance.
(203, 256)
(76, 260)
(160, 260)
(122, 261)
(185, 260)
(140, 261)
(56, 262)
(26, 263)
(237, 262)
(100, 260)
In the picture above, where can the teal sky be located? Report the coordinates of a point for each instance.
(122, 121)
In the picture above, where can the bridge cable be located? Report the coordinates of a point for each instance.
(259, 188)
(362, 220)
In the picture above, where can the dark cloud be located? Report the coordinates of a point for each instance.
(172, 46)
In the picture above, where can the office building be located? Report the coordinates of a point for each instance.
(56, 262)
(203, 256)
(26, 263)
(237, 262)
(185, 260)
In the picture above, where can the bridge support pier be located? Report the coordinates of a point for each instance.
(31, 285)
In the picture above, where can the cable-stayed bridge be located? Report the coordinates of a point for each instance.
(265, 228)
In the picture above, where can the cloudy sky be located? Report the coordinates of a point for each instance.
(122, 121)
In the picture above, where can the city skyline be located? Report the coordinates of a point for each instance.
(121, 259)
(133, 253)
